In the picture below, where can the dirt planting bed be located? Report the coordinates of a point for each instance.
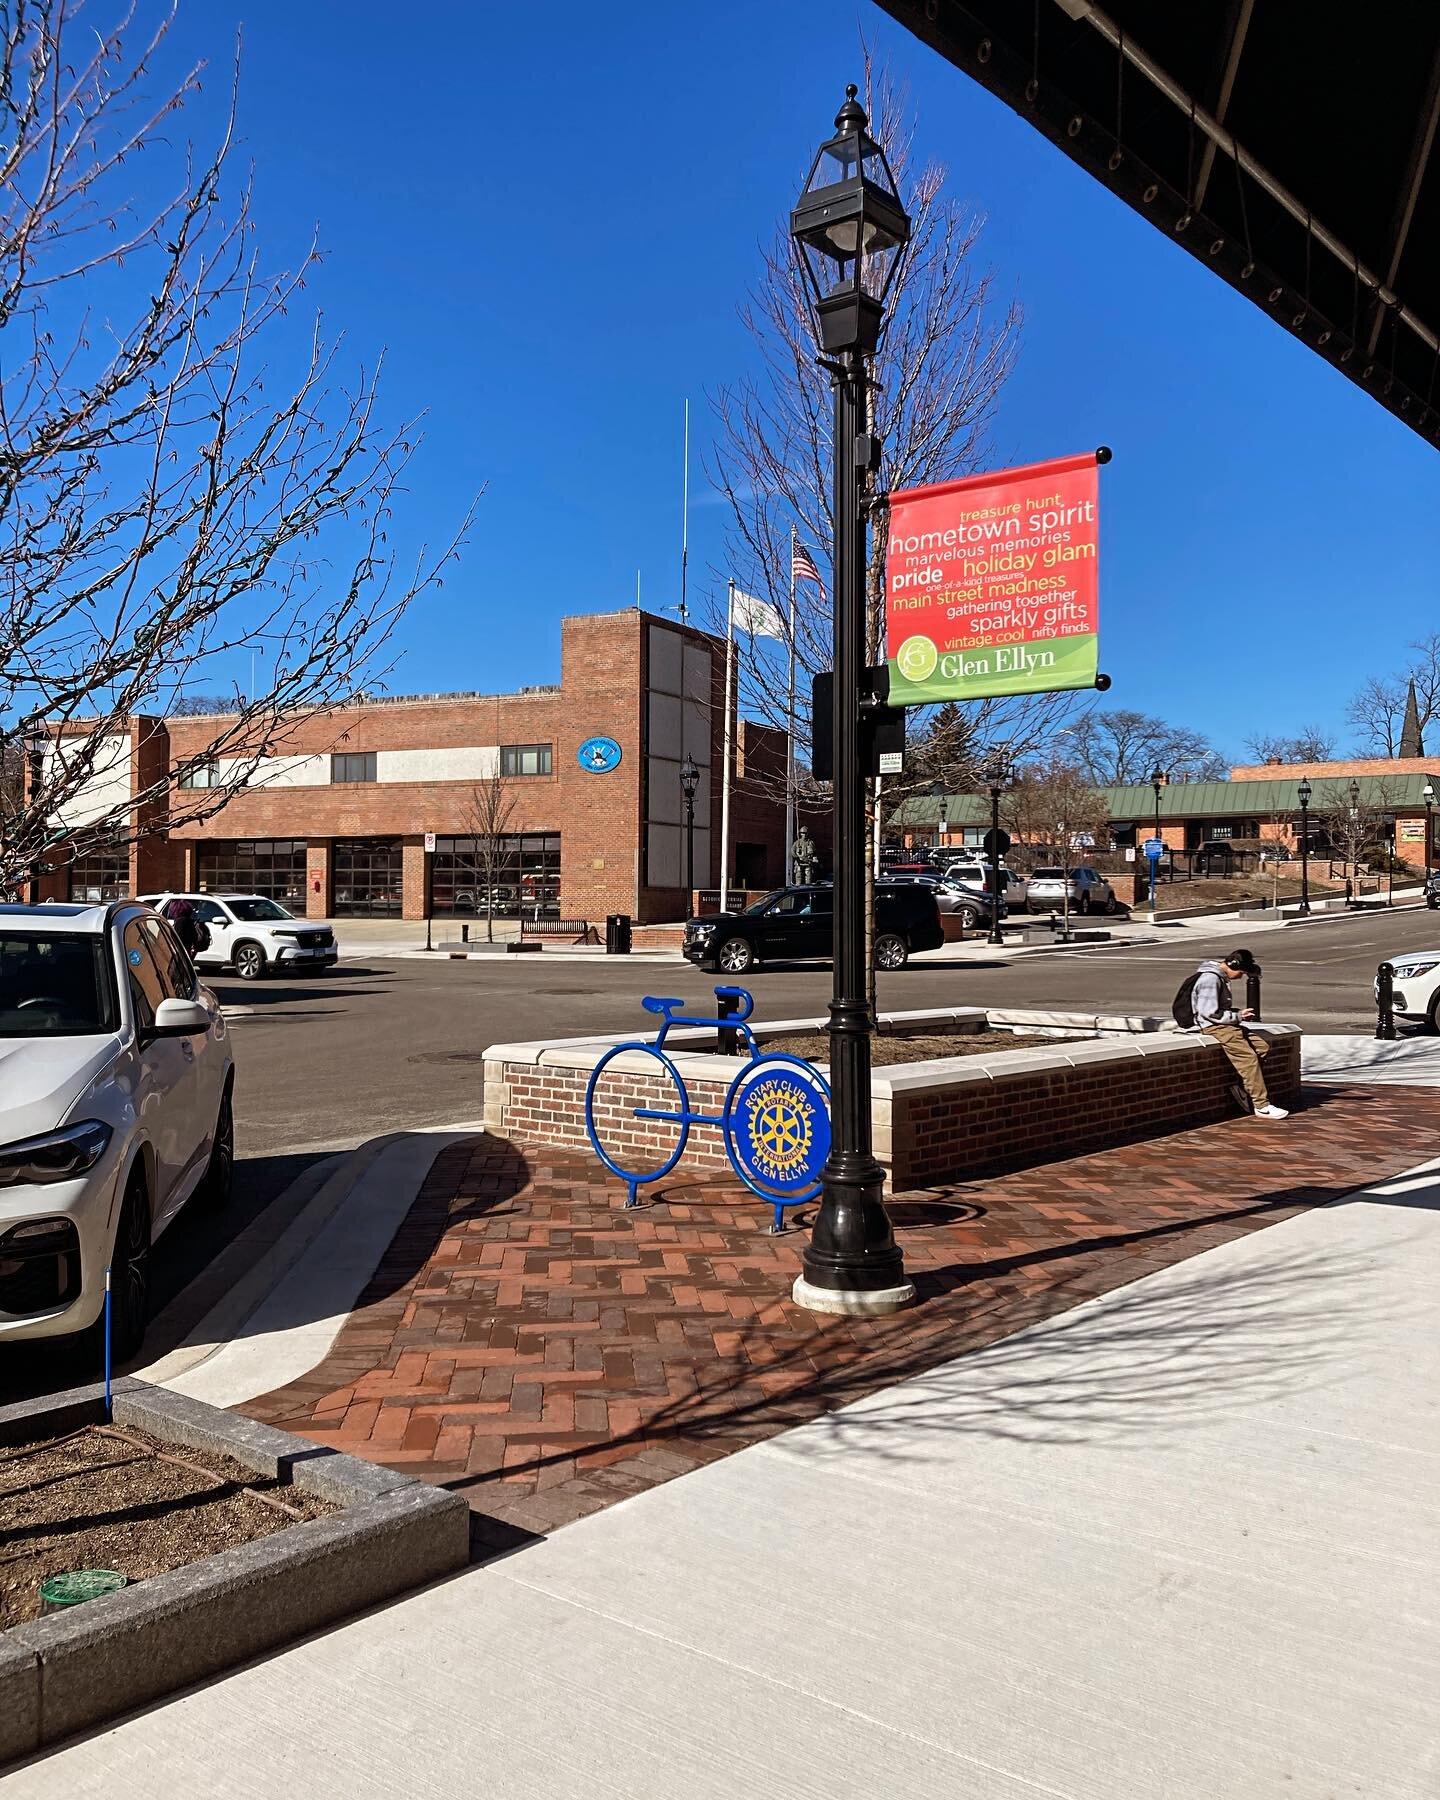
(106, 1498)
(885, 1048)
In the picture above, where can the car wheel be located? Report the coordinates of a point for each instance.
(969, 917)
(249, 962)
(891, 952)
(1082, 905)
(130, 1274)
(1432, 1018)
(220, 1170)
(735, 956)
(1110, 906)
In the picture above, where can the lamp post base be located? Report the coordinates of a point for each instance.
(861, 1303)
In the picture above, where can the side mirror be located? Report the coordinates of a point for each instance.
(180, 1018)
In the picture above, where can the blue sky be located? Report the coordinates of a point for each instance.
(546, 215)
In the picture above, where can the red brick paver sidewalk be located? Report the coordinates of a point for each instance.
(543, 1351)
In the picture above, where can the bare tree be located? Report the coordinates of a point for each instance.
(1052, 801)
(1378, 708)
(160, 508)
(950, 343)
(1310, 744)
(488, 819)
(1120, 747)
(1354, 826)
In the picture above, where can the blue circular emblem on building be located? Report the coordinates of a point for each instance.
(778, 1123)
(598, 755)
(134, 958)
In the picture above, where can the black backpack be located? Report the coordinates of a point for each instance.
(1182, 1007)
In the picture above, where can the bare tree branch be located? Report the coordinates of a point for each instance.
(158, 509)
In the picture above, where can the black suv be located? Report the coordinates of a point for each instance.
(798, 922)
(1432, 890)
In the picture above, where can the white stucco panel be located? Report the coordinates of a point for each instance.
(278, 771)
(107, 786)
(459, 763)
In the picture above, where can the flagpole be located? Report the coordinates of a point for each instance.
(685, 517)
(789, 873)
(725, 763)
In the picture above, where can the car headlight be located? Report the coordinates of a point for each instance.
(1408, 971)
(57, 1156)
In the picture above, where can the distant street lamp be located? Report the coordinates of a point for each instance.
(997, 775)
(1305, 791)
(689, 784)
(35, 763)
(850, 230)
(1429, 796)
(1158, 778)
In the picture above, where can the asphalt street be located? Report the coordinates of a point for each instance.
(328, 1062)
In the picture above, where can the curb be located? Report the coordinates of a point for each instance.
(279, 1320)
(70, 1671)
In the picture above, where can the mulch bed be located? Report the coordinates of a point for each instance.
(102, 1498)
(814, 1046)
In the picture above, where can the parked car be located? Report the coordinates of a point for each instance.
(1432, 890)
(253, 934)
(972, 904)
(1417, 988)
(1014, 888)
(798, 922)
(1087, 888)
(115, 1110)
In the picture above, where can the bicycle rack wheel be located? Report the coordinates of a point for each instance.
(615, 1128)
(777, 1130)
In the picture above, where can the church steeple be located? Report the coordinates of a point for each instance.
(1411, 742)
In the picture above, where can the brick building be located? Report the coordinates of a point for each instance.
(335, 823)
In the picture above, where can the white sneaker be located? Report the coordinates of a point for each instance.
(1271, 1112)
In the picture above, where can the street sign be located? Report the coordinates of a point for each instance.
(429, 840)
(1154, 848)
(891, 762)
(997, 843)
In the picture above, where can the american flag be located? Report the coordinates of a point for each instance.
(802, 567)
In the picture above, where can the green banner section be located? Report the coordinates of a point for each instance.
(922, 674)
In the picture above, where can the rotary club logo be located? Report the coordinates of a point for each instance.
(780, 1124)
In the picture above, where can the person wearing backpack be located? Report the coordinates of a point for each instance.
(1204, 1003)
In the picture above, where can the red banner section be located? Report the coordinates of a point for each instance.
(992, 584)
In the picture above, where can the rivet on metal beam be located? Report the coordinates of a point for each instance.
(1150, 192)
(1183, 223)
(1032, 90)
(1075, 127)
(982, 50)
(1247, 270)
(1324, 337)
(1117, 156)
(1275, 294)
(1217, 246)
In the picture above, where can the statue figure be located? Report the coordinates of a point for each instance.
(805, 859)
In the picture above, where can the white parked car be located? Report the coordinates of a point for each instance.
(1087, 888)
(115, 1109)
(1014, 889)
(253, 934)
(1417, 987)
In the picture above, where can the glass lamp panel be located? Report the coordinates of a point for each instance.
(879, 262)
(827, 268)
(838, 161)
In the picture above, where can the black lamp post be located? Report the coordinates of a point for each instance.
(997, 776)
(1429, 806)
(689, 782)
(1353, 885)
(849, 230)
(1158, 779)
(35, 765)
(1304, 792)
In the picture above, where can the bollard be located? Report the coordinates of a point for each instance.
(727, 1041)
(1385, 1001)
(1252, 994)
(464, 934)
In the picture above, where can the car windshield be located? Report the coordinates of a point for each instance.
(760, 906)
(1048, 875)
(255, 912)
(54, 985)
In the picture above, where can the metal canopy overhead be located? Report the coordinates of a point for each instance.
(1294, 149)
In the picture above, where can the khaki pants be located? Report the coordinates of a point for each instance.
(1244, 1052)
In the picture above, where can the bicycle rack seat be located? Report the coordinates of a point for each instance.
(657, 1003)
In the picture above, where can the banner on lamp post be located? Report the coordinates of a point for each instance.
(992, 584)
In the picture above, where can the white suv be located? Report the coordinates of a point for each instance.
(1417, 987)
(115, 1108)
(255, 934)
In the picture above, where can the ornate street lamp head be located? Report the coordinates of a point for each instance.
(998, 772)
(1158, 777)
(850, 230)
(689, 778)
(1305, 790)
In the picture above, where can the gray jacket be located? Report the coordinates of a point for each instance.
(1210, 998)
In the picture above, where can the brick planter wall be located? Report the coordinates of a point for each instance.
(933, 1121)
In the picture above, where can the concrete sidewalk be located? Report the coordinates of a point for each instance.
(1181, 1542)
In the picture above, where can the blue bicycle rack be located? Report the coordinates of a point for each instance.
(775, 1119)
